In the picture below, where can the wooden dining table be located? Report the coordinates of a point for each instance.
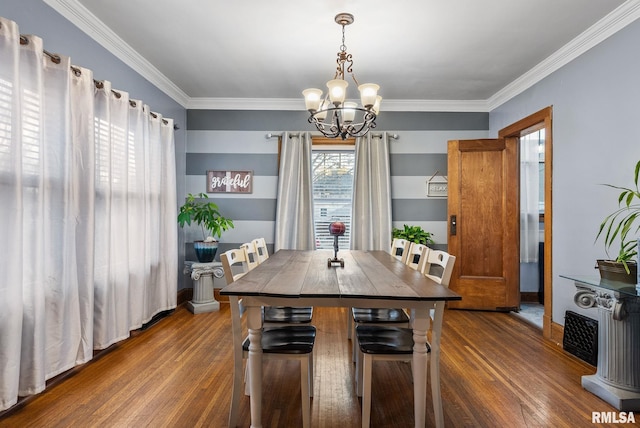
(372, 279)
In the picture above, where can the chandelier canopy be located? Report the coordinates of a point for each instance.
(332, 115)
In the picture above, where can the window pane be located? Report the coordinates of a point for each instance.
(332, 192)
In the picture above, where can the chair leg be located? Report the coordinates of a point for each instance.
(354, 344)
(235, 396)
(349, 324)
(304, 392)
(359, 363)
(311, 364)
(367, 362)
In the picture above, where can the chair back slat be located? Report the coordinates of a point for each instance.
(233, 264)
(399, 248)
(251, 255)
(261, 249)
(439, 266)
(416, 256)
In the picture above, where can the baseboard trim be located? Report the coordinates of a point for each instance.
(557, 333)
(530, 297)
(184, 295)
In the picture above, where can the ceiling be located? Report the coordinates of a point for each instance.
(425, 54)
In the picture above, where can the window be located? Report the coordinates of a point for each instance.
(332, 169)
(537, 138)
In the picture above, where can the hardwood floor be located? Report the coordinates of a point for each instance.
(496, 371)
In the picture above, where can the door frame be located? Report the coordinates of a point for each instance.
(542, 119)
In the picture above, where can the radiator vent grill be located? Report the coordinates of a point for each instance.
(581, 337)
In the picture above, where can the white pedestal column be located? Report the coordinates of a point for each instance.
(203, 275)
(617, 379)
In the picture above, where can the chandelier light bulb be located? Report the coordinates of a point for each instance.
(312, 99)
(349, 112)
(324, 108)
(376, 105)
(368, 94)
(337, 91)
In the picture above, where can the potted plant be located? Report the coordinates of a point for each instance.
(622, 226)
(205, 213)
(413, 234)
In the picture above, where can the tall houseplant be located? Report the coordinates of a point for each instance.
(623, 226)
(204, 213)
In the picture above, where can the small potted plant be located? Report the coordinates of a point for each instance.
(205, 213)
(622, 226)
(413, 234)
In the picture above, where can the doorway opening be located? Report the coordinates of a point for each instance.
(534, 137)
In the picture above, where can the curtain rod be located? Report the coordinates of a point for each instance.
(272, 135)
(55, 58)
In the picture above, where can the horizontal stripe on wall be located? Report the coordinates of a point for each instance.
(266, 187)
(430, 141)
(277, 121)
(411, 187)
(248, 120)
(418, 164)
(247, 209)
(230, 142)
(260, 164)
(267, 164)
(419, 209)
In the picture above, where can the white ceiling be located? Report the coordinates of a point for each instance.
(425, 54)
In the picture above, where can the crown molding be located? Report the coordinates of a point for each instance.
(82, 18)
(75, 12)
(297, 104)
(619, 18)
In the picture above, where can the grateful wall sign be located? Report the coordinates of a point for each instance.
(229, 181)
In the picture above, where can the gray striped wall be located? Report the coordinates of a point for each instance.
(235, 140)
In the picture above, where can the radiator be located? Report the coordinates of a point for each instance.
(581, 337)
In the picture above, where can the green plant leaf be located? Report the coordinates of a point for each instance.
(204, 213)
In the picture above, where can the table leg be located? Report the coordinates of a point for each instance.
(436, 331)
(254, 325)
(420, 357)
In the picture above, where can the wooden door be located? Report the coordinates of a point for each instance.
(484, 230)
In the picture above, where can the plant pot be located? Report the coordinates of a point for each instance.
(615, 271)
(205, 251)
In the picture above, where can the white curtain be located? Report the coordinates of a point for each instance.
(529, 198)
(294, 210)
(371, 213)
(87, 184)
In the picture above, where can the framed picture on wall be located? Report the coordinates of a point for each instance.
(437, 187)
(229, 181)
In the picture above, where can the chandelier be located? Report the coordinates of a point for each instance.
(331, 115)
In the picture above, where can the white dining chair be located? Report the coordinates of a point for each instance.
(261, 249)
(416, 256)
(251, 255)
(399, 248)
(286, 342)
(386, 343)
(274, 315)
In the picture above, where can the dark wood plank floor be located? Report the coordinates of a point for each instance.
(496, 371)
